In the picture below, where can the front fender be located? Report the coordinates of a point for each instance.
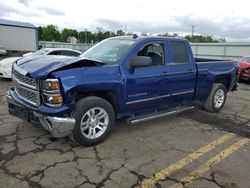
(91, 79)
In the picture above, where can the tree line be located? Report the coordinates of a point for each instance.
(52, 33)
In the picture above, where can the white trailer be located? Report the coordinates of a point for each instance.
(18, 36)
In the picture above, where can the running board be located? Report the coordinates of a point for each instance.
(154, 115)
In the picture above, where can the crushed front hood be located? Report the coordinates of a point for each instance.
(41, 67)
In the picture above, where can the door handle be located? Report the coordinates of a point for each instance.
(164, 74)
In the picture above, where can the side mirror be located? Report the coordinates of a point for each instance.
(140, 61)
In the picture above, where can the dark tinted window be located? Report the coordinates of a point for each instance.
(69, 53)
(56, 52)
(180, 52)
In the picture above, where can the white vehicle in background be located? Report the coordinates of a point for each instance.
(3, 51)
(54, 51)
(6, 64)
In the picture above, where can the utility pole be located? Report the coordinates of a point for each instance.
(85, 32)
(125, 29)
(192, 26)
(99, 31)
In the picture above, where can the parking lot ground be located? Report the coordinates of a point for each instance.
(191, 149)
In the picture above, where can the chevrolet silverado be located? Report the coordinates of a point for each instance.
(138, 78)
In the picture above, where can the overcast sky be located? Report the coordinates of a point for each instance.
(229, 19)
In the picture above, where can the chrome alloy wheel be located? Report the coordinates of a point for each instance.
(219, 98)
(94, 122)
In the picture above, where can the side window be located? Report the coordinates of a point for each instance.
(76, 54)
(56, 52)
(69, 53)
(180, 52)
(64, 52)
(155, 51)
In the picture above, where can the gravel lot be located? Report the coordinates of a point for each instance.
(133, 155)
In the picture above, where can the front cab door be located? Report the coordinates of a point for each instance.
(148, 87)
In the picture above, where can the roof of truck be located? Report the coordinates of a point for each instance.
(139, 38)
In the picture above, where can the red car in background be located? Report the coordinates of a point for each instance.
(244, 68)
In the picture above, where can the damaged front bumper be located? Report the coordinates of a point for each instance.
(57, 126)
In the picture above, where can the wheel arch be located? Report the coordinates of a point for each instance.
(225, 80)
(109, 96)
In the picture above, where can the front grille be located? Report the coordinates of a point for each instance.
(26, 88)
(25, 79)
(27, 95)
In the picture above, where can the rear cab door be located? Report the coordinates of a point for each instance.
(183, 71)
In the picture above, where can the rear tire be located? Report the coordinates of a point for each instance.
(95, 119)
(216, 99)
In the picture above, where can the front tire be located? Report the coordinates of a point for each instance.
(95, 119)
(216, 99)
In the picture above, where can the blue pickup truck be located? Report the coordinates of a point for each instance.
(138, 78)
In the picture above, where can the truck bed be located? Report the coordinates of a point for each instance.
(208, 70)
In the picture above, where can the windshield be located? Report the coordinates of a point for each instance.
(246, 59)
(41, 52)
(108, 51)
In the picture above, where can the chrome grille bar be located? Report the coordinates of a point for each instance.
(28, 96)
(25, 80)
(26, 87)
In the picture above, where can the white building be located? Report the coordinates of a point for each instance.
(18, 36)
(72, 40)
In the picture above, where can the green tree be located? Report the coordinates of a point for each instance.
(99, 36)
(165, 35)
(169, 35)
(66, 33)
(87, 37)
(144, 34)
(50, 33)
(120, 32)
(200, 38)
(84, 36)
(175, 35)
(108, 34)
(129, 34)
(39, 30)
